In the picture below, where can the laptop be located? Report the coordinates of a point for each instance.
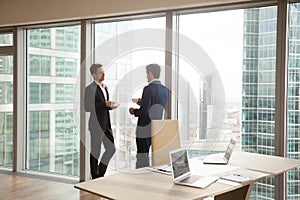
(181, 171)
(221, 158)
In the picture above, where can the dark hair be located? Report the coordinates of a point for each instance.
(154, 69)
(94, 68)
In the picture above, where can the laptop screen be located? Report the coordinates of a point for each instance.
(180, 163)
(229, 149)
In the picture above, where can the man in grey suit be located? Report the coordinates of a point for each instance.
(96, 102)
(152, 103)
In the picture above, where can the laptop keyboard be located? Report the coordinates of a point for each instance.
(191, 179)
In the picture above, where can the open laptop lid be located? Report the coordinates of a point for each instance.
(179, 164)
(229, 150)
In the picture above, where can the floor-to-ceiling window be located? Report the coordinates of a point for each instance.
(240, 47)
(53, 62)
(125, 48)
(207, 84)
(6, 100)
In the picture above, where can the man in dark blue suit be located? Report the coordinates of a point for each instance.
(152, 104)
(96, 101)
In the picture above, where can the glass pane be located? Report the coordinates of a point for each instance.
(293, 112)
(40, 38)
(237, 51)
(66, 39)
(39, 65)
(124, 59)
(52, 86)
(6, 110)
(6, 64)
(6, 39)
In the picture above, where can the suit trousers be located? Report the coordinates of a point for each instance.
(143, 143)
(97, 138)
(142, 157)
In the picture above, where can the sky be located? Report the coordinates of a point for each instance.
(220, 34)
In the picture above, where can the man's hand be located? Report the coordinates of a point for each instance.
(131, 111)
(109, 103)
(139, 101)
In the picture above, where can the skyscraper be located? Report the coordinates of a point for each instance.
(258, 104)
(53, 62)
(6, 103)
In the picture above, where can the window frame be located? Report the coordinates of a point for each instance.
(19, 100)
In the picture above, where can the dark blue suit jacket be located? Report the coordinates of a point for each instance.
(153, 101)
(94, 102)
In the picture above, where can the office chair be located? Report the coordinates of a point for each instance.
(165, 137)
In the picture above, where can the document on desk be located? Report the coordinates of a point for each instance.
(236, 178)
(242, 175)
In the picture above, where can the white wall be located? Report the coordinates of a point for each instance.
(20, 12)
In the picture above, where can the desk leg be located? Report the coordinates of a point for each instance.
(242, 193)
(249, 191)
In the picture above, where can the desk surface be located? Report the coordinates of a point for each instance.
(145, 184)
(269, 164)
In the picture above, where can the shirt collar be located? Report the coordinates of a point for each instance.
(100, 85)
(154, 81)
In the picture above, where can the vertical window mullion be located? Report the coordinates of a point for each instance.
(19, 100)
(168, 61)
(86, 60)
(281, 93)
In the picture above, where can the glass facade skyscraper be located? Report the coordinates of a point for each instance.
(6, 103)
(258, 104)
(293, 112)
(53, 62)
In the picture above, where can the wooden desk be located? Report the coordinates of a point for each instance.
(144, 184)
(269, 164)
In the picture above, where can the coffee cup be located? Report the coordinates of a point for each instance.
(135, 100)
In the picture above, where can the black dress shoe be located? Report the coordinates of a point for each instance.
(102, 169)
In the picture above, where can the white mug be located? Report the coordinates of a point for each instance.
(135, 100)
